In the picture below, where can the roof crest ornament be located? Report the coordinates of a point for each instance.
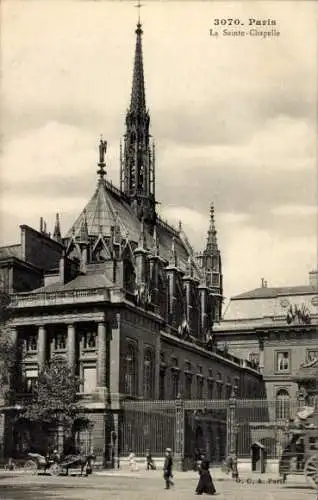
(102, 153)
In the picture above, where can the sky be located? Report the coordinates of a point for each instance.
(234, 121)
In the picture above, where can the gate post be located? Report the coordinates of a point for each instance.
(179, 435)
(231, 426)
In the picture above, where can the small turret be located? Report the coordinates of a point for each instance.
(57, 230)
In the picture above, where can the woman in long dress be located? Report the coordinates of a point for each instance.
(205, 484)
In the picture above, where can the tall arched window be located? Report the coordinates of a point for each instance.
(129, 276)
(148, 374)
(282, 405)
(131, 370)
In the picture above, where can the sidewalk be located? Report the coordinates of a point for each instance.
(217, 474)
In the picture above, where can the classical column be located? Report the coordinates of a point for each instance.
(42, 343)
(101, 355)
(71, 347)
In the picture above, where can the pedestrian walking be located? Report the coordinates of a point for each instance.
(205, 484)
(132, 461)
(149, 460)
(167, 469)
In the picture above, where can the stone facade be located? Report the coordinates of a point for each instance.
(276, 328)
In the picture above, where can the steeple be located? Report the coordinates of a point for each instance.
(212, 244)
(138, 98)
(209, 260)
(137, 169)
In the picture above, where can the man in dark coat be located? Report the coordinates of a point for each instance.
(205, 484)
(167, 469)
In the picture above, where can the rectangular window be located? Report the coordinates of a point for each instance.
(219, 388)
(188, 387)
(283, 362)
(89, 340)
(175, 385)
(162, 385)
(60, 342)
(228, 391)
(210, 389)
(200, 383)
(31, 343)
(89, 379)
(31, 379)
(215, 280)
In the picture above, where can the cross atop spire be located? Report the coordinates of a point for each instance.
(139, 5)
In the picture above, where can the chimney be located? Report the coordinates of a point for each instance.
(264, 283)
(313, 278)
(41, 224)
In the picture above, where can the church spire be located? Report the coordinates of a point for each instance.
(212, 244)
(137, 169)
(138, 98)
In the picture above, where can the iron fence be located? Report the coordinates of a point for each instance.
(211, 425)
(148, 425)
(261, 421)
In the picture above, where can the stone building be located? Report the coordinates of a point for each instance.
(122, 296)
(276, 329)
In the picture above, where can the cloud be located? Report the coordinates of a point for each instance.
(234, 121)
(250, 253)
(298, 210)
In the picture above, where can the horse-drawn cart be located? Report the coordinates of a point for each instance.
(38, 463)
(300, 451)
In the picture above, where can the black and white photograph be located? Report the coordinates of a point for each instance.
(158, 250)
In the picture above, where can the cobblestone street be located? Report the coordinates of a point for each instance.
(139, 487)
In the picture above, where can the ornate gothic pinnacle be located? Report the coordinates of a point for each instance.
(156, 248)
(83, 235)
(57, 229)
(173, 261)
(212, 244)
(142, 237)
(189, 267)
